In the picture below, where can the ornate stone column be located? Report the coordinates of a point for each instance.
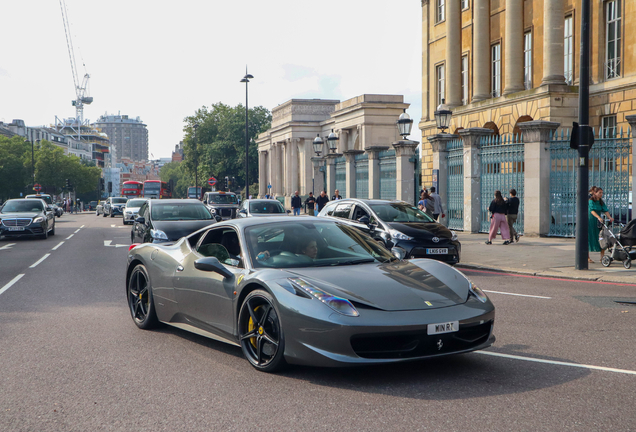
(271, 168)
(453, 54)
(293, 168)
(472, 177)
(350, 156)
(513, 47)
(287, 170)
(331, 172)
(307, 152)
(553, 26)
(481, 50)
(374, 170)
(318, 179)
(405, 170)
(438, 143)
(536, 182)
(262, 173)
(277, 180)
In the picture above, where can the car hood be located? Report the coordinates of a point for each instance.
(21, 215)
(133, 209)
(420, 230)
(403, 285)
(177, 229)
(223, 205)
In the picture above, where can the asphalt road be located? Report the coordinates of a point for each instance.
(71, 359)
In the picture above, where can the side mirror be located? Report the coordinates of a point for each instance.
(218, 218)
(212, 264)
(364, 220)
(140, 220)
(243, 212)
(399, 253)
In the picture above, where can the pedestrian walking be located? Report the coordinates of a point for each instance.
(296, 204)
(498, 222)
(336, 196)
(437, 204)
(321, 201)
(597, 209)
(513, 213)
(426, 203)
(310, 204)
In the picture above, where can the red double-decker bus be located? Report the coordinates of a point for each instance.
(156, 189)
(132, 189)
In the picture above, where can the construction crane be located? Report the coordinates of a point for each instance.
(80, 88)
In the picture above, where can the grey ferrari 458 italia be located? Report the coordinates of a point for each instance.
(306, 291)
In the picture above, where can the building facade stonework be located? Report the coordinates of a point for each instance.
(499, 63)
(128, 136)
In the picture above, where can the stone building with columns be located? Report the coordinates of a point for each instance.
(369, 161)
(499, 63)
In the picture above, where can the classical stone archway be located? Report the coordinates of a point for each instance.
(517, 130)
(493, 127)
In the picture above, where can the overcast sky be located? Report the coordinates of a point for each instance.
(162, 60)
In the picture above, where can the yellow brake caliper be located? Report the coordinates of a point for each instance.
(251, 327)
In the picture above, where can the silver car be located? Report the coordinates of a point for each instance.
(261, 207)
(132, 209)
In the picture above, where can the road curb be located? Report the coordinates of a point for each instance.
(533, 273)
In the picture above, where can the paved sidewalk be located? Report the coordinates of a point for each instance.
(540, 256)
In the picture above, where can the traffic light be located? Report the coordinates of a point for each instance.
(110, 187)
(68, 184)
(227, 182)
(101, 184)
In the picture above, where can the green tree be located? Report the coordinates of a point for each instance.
(180, 176)
(221, 141)
(15, 166)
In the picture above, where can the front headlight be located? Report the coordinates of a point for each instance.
(158, 234)
(38, 219)
(453, 236)
(213, 211)
(478, 293)
(395, 234)
(340, 305)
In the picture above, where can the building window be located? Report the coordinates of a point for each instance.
(527, 60)
(465, 80)
(568, 51)
(613, 39)
(465, 4)
(441, 11)
(440, 73)
(609, 126)
(495, 54)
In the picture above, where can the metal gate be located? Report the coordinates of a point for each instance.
(610, 169)
(341, 176)
(388, 178)
(455, 184)
(502, 168)
(362, 176)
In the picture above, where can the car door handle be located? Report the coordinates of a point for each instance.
(180, 268)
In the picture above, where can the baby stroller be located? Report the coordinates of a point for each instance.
(619, 247)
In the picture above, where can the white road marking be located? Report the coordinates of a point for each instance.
(112, 225)
(584, 366)
(513, 294)
(69, 237)
(10, 284)
(60, 244)
(107, 243)
(7, 246)
(76, 231)
(82, 226)
(40, 260)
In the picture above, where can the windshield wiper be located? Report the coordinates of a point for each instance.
(356, 261)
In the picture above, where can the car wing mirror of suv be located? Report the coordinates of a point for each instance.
(140, 220)
(364, 220)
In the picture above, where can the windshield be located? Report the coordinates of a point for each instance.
(46, 198)
(264, 207)
(311, 244)
(119, 200)
(135, 203)
(400, 212)
(152, 186)
(22, 207)
(223, 199)
(173, 212)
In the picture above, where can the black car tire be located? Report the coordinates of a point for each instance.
(46, 234)
(140, 301)
(112, 214)
(263, 343)
(53, 229)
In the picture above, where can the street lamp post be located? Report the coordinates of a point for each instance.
(332, 141)
(443, 116)
(246, 80)
(196, 160)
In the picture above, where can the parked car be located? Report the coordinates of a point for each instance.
(398, 224)
(261, 207)
(224, 204)
(132, 209)
(306, 290)
(99, 208)
(169, 220)
(92, 205)
(114, 206)
(26, 217)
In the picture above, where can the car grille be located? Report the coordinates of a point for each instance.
(224, 212)
(420, 344)
(15, 222)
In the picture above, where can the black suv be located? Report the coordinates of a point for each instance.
(224, 204)
(398, 224)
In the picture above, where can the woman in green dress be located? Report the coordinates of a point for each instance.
(596, 208)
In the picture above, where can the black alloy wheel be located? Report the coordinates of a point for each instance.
(46, 233)
(140, 301)
(260, 332)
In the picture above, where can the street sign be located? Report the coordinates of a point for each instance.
(211, 181)
(269, 186)
(37, 187)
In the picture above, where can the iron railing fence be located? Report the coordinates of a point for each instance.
(388, 177)
(341, 176)
(610, 166)
(362, 175)
(502, 168)
(455, 184)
